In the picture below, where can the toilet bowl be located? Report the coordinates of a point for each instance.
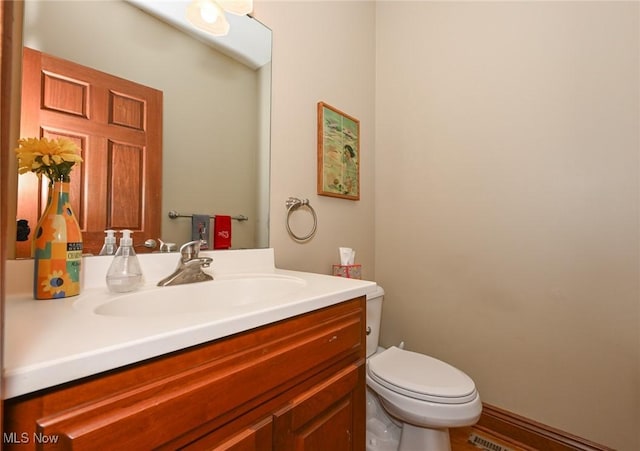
(424, 395)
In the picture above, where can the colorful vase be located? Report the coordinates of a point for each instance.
(57, 247)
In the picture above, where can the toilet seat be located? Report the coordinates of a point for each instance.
(421, 377)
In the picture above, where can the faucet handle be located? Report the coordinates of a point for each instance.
(166, 247)
(190, 250)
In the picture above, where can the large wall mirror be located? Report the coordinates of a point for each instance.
(216, 103)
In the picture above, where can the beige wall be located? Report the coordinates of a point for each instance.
(322, 51)
(506, 188)
(507, 202)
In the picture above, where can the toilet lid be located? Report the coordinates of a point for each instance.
(421, 377)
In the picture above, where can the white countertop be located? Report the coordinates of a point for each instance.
(55, 341)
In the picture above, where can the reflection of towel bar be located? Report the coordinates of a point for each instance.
(174, 214)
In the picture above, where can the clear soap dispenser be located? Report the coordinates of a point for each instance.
(109, 247)
(125, 273)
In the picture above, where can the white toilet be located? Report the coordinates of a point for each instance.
(421, 395)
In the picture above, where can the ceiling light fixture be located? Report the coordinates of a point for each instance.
(209, 15)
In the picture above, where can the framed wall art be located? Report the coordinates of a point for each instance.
(338, 153)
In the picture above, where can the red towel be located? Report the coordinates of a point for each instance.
(222, 232)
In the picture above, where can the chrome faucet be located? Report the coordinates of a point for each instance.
(190, 266)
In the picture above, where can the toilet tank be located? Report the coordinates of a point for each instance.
(374, 315)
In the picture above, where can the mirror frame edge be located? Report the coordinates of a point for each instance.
(10, 43)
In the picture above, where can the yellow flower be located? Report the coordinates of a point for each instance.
(51, 157)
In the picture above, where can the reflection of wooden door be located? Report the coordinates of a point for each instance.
(117, 124)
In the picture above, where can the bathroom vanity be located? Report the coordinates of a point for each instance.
(294, 382)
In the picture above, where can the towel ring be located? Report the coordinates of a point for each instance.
(293, 203)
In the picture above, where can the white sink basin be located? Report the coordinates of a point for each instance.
(212, 296)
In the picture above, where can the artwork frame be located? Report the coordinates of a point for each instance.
(338, 153)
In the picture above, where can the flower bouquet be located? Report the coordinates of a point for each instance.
(57, 244)
(52, 157)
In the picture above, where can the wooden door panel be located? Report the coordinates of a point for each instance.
(126, 111)
(65, 95)
(118, 125)
(125, 174)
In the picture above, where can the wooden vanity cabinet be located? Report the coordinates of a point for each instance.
(295, 384)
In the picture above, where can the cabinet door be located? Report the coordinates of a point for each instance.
(322, 418)
(257, 437)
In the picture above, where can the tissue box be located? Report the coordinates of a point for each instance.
(348, 271)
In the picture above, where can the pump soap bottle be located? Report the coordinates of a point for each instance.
(124, 273)
(109, 247)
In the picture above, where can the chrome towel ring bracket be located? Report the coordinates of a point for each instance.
(292, 204)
